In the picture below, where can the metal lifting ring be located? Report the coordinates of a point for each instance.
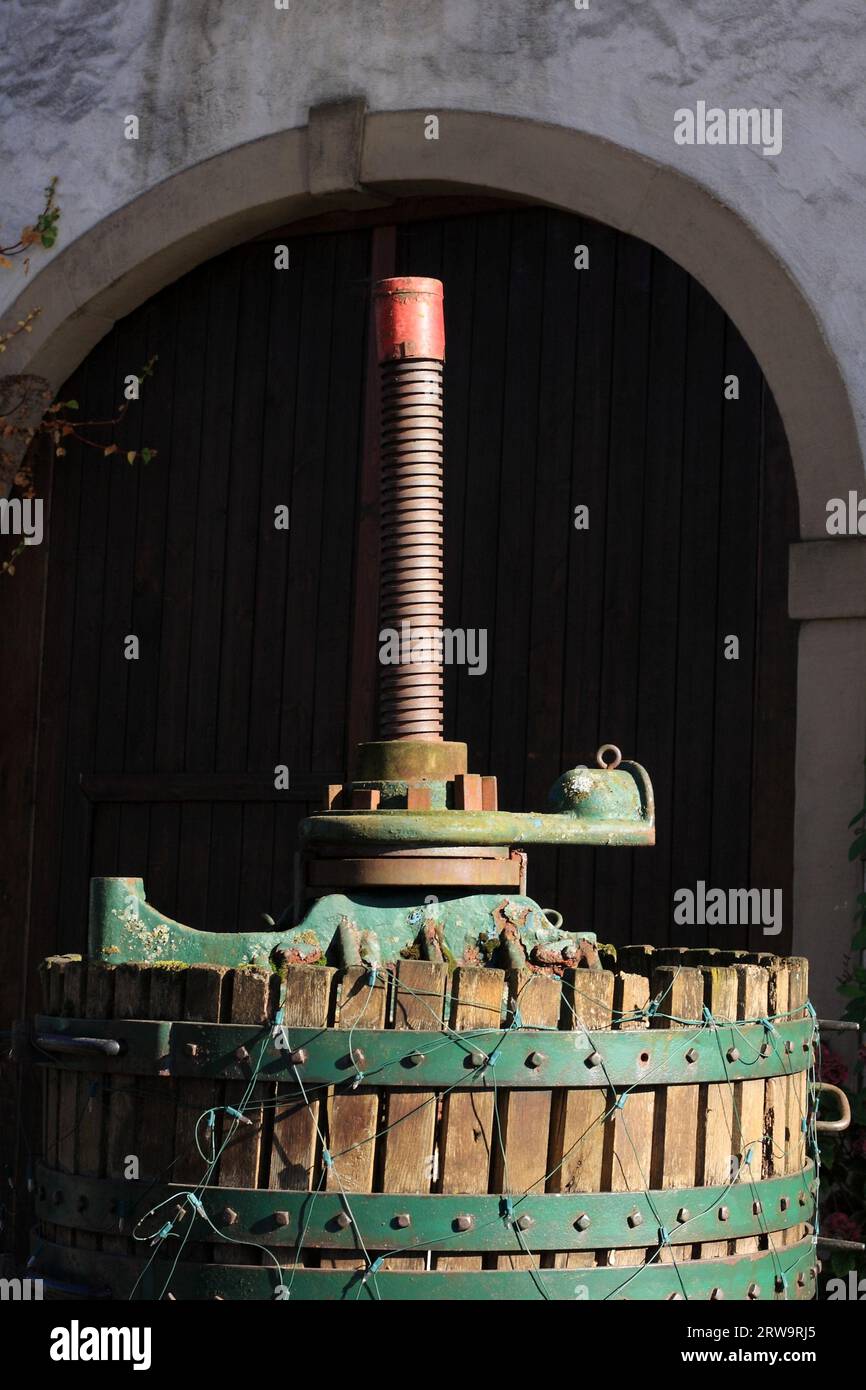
(614, 762)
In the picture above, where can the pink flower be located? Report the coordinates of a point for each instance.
(842, 1226)
(833, 1069)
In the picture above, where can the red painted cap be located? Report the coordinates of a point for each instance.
(409, 318)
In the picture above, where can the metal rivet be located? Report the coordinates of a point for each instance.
(802, 1199)
(779, 1283)
(476, 1059)
(635, 1218)
(191, 1049)
(402, 1220)
(692, 1055)
(343, 1219)
(583, 1222)
(784, 1203)
(733, 1054)
(594, 1059)
(229, 1217)
(298, 1057)
(757, 1208)
(806, 1047)
(672, 1297)
(463, 1222)
(765, 1049)
(415, 1059)
(241, 1054)
(753, 1291)
(358, 1057)
(282, 1218)
(724, 1213)
(683, 1215)
(789, 1046)
(717, 1293)
(524, 1222)
(535, 1059)
(801, 1280)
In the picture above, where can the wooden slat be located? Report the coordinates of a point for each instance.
(797, 1085)
(629, 1136)
(131, 994)
(52, 984)
(681, 990)
(408, 1141)
(467, 1141)
(99, 1003)
(520, 1159)
(294, 1145)
(749, 1096)
(576, 1127)
(252, 1001)
(353, 1116)
(776, 1101)
(716, 1113)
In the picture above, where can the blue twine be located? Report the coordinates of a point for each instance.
(230, 1110)
(507, 1205)
(493, 1058)
(620, 1102)
(374, 1267)
(194, 1202)
(327, 1159)
(664, 1237)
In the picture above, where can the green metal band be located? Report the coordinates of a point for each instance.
(788, 1273)
(525, 1057)
(513, 828)
(390, 1221)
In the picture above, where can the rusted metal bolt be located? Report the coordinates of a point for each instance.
(724, 1213)
(802, 1198)
(524, 1222)
(779, 1283)
(191, 1049)
(784, 1203)
(675, 1296)
(536, 1059)
(692, 1055)
(733, 1054)
(463, 1222)
(358, 1057)
(753, 1291)
(415, 1059)
(757, 1208)
(717, 1293)
(282, 1218)
(594, 1059)
(229, 1217)
(476, 1059)
(402, 1220)
(801, 1280)
(343, 1219)
(683, 1215)
(241, 1054)
(298, 1057)
(789, 1046)
(765, 1049)
(635, 1218)
(583, 1222)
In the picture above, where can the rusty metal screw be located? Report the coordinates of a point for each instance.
(229, 1217)
(784, 1203)
(476, 1059)
(536, 1059)
(415, 1059)
(692, 1055)
(358, 1057)
(802, 1199)
(298, 1057)
(757, 1208)
(801, 1280)
(753, 1291)
(724, 1213)
(343, 1219)
(733, 1054)
(765, 1049)
(789, 1046)
(402, 1220)
(583, 1222)
(463, 1222)
(191, 1049)
(675, 1296)
(635, 1218)
(282, 1218)
(524, 1222)
(241, 1054)
(717, 1293)
(594, 1059)
(683, 1215)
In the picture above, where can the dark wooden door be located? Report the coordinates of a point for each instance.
(601, 387)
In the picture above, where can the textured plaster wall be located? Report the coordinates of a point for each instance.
(207, 75)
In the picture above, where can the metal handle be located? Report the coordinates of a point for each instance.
(834, 1126)
(59, 1042)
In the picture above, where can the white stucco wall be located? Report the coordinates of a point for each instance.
(207, 75)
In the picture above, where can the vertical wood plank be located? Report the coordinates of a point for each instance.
(797, 1085)
(99, 991)
(716, 1114)
(408, 1141)
(676, 1115)
(629, 1131)
(749, 1096)
(467, 1140)
(577, 1119)
(520, 1158)
(131, 993)
(776, 1113)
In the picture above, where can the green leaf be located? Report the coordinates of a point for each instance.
(49, 238)
(71, 405)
